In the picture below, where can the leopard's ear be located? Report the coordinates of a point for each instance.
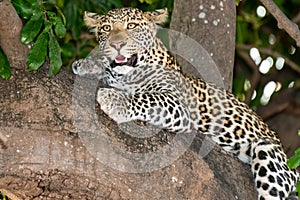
(159, 16)
(92, 20)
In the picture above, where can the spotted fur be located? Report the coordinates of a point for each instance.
(147, 85)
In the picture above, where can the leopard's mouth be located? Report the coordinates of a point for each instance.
(121, 60)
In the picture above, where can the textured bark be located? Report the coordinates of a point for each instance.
(212, 24)
(10, 35)
(42, 155)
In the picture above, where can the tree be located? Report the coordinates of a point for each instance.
(42, 154)
(10, 31)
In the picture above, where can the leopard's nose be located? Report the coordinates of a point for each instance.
(117, 45)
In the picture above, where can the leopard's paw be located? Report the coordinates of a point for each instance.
(113, 103)
(90, 67)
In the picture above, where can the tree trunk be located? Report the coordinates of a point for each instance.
(211, 23)
(10, 36)
(44, 155)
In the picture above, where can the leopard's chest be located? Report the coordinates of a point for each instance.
(143, 79)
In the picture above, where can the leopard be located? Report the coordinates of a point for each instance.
(147, 84)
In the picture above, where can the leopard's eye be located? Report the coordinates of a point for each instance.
(106, 28)
(131, 25)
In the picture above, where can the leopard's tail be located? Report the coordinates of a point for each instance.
(274, 180)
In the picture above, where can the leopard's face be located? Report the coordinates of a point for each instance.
(126, 34)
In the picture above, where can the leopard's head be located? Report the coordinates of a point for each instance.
(125, 34)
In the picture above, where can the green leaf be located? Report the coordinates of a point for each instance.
(116, 3)
(294, 162)
(297, 152)
(298, 188)
(52, 1)
(32, 28)
(54, 55)
(148, 1)
(23, 8)
(48, 26)
(60, 3)
(74, 21)
(38, 52)
(60, 29)
(68, 50)
(5, 70)
(242, 31)
(51, 16)
(34, 2)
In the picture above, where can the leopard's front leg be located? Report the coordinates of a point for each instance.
(114, 103)
(160, 109)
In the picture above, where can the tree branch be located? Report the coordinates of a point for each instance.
(283, 101)
(266, 51)
(46, 158)
(255, 77)
(10, 36)
(283, 22)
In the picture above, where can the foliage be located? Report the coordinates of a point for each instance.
(147, 1)
(294, 162)
(3, 197)
(54, 29)
(5, 70)
(44, 28)
(237, 2)
(262, 32)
